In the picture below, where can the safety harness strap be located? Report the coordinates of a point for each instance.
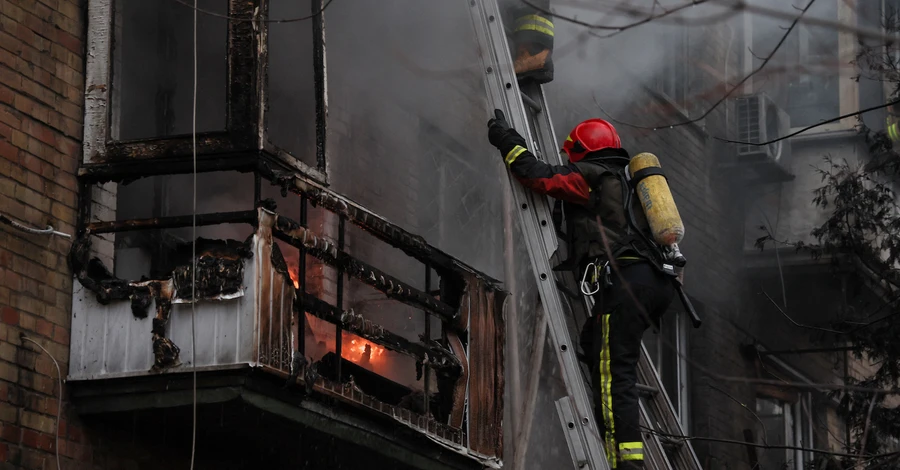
(645, 172)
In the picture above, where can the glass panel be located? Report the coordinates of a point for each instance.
(669, 358)
(155, 253)
(291, 116)
(814, 94)
(153, 69)
(407, 126)
(673, 78)
(772, 415)
(805, 72)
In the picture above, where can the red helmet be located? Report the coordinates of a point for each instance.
(590, 136)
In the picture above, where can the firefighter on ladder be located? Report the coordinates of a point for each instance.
(532, 37)
(892, 124)
(591, 188)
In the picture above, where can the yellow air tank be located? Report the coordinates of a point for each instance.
(656, 199)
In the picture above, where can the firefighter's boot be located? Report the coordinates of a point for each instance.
(533, 38)
(534, 62)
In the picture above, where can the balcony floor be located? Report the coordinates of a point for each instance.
(261, 424)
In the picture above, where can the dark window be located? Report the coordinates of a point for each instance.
(153, 69)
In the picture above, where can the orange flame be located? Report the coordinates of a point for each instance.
(361, 352)
(295, 276)
(293, 269)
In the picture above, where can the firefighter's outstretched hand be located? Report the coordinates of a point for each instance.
(501, 135)
(498, 128)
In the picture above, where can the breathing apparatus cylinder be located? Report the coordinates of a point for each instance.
(656, 199)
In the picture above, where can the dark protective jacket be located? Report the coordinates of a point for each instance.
(592, 191)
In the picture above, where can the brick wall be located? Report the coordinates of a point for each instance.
(41, 87)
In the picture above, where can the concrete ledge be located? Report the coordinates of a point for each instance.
(266, 393)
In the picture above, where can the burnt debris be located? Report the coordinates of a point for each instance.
(219, 273)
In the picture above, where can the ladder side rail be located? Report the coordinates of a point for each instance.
(662, 407)
(654, 452)
(536, 223)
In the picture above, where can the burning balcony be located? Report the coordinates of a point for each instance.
(425, 357)
(390, 328)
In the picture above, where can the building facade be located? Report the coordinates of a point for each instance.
(369, 198)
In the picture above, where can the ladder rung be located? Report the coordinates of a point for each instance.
(531, 103)
(671, 442)
(647, 389)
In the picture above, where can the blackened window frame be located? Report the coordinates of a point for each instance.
(243, 145)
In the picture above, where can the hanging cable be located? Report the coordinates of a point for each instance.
(819, 124)
(194, 249)
(37, 231)
(59, 401)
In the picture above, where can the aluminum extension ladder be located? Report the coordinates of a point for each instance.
(526, 111)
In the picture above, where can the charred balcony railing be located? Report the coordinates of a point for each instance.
(466, 357)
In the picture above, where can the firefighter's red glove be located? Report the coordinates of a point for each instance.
(501, 135)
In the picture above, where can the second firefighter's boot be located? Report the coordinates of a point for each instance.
(533, 37)
(534, 62)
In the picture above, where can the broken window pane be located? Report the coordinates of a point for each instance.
(291, 116)
(152, 88)
(169, 196)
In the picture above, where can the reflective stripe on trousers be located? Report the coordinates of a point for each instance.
(606, 394)
(631, 451)
(624, 451)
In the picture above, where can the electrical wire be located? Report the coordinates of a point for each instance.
(742, 5)
(254, 20)
(194, 249)
(59, 401)
(655, 432)
(808, 128)
(37, 231)
(617, 29)
(739, 84)
(765, 437)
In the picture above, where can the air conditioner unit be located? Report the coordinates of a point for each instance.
(761, 120)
